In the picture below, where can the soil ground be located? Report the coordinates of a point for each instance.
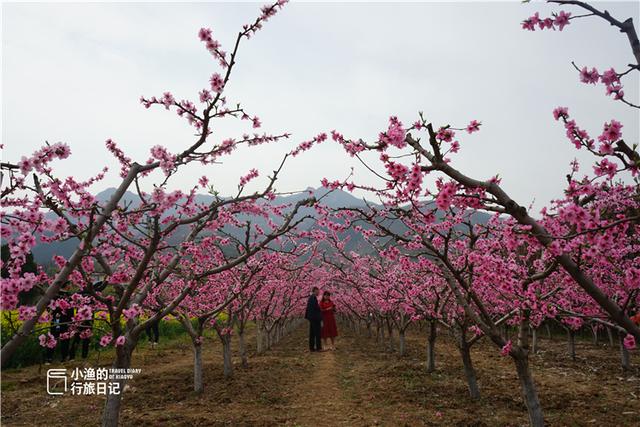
(359, 384)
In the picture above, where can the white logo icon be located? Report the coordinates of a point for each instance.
(56, 375)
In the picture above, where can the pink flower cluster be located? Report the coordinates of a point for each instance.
(306, 145)
(446, 195)
(132, 312)
(395, 134)
(217, 83)
(350, 147)
(610, 79)
(473, 126)
(40, 158)
(253, 173)
(414, 182)
(213, 46)
(47, 340)
(559, 21)
(629, 342)
(445, 134)
(83, 313)
(26, 312)
(105, 340)
(605, 167)
(268, 11)
(506, 349)
(125, 161)
(167, 160)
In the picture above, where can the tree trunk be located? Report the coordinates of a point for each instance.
(269, 337)
(529, 393)
(259, 338)
(610, 335)
(469, 370)
(243, 350)
(198, 384)
(226, 356)
(111, 414)
(596, 336)
(431, 346)
(548, 330)
(534, 340)
(390, 343)
(402, 347)
(571, 335)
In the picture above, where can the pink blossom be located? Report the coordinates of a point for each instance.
(205, 95)
(605, 167)
(527, 24)
(47, 340)
(216, 83)
(204, 34)
(562, 19)
(587, 76)
(132, 312)
(545, 23)
(629, 342)
(612, 131)
(446, 194)
(395, 134)
(474, 126)
(26, 312)
(445, 134)
(120, 340)
(609, 77)
(84, 313)
(506, 349)
(105, 340)
(253, 173)
(560, 112)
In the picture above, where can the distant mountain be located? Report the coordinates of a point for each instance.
(337, 199)
(43, 253)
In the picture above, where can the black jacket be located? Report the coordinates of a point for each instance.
(313, 309)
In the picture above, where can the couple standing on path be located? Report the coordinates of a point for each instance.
(322, 320)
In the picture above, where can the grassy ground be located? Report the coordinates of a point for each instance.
(359, 384)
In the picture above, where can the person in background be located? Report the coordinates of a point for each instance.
(314, 316)
(83, 335)
(329, 328)
(153, 332)
(60, 320)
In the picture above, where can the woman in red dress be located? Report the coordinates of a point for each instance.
(329, 328)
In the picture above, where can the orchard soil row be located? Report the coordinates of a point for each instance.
(359, 384)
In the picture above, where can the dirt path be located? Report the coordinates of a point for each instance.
(320, 398)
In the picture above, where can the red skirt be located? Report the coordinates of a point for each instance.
(329, 328)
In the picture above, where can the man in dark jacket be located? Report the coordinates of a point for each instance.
(314, 316)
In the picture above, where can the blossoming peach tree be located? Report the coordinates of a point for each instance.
(161, 247)
(519, 267)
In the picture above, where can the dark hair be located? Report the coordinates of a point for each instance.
(315, 288)
(326, 293)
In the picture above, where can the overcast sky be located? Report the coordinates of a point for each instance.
(74, 73)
